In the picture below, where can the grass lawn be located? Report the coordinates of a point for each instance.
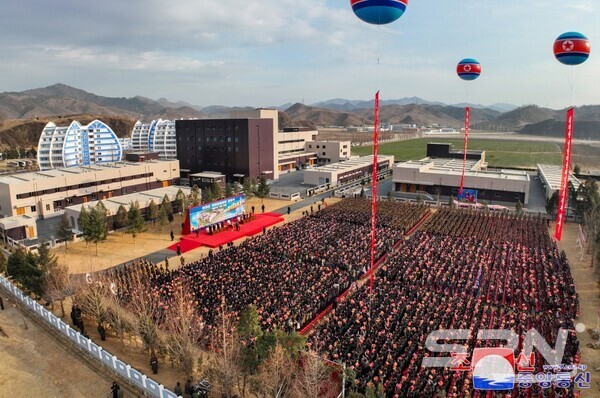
(498, 153)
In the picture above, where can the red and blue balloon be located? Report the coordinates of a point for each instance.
(468, 69)
(572, 48)
(379, 12)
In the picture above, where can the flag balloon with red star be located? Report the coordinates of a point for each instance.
(572, 48)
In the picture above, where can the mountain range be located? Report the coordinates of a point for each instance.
(23, 114)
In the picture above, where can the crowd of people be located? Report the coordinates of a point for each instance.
(467, 270)
(291, 273)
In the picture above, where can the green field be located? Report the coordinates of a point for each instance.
(498, 153)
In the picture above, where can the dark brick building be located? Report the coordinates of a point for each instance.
(233, 147)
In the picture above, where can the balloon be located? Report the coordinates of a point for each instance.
(468, 69)
(379, 12)
(572, 48)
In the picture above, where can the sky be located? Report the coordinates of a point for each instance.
(272, 52)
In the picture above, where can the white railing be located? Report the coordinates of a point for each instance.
(96, 352)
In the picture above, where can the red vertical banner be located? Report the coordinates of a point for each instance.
(374, 191)
(466, 145)
(563, 199)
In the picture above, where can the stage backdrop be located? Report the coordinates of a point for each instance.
(468, 195)
(199, 217)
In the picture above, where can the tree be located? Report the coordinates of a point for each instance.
(92, 300)
(262, 189)
(249, 331)
(2, 263)
(519, 207)
(375, 391)
(83, 222)
(65, 233)
(58, 286)
(194, 197)
(163, 218)
(120, 219)
(247, 188)
(97, 225)
(276, 375)
(229, 190)
(313, 377)
(451, 202)
(217, 191)
(166, 205)
(23, 269)
(577, 170)
(207, 195)
(552, 203)
(152, 211)
(135, 222)
(181, 201)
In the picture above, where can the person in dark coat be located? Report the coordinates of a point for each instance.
(154, 363)
(115, 389)
(188, 389)
(289, 210)
(1, 304)
(172, 236)
(179, 249)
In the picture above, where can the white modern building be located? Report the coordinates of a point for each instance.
(329, 152)
(77, 145)
(344, 172)
(551, 176)
(156, 136)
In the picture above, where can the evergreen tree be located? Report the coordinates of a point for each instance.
(166, 204)
(519, 207)
(247, 188)
(217, 191)
(163, 218)
(552, 203)
(46, 261)
(135, 222)
(120, 219)
(23, 269)
(577, 170)
(152, 211)
(451, 202)
(229, 190)
(83, 222)
(181, 201)
(65, 233)
(194, 197)
(207, 195)
(97, 224)
(2, 263)
(262, 189)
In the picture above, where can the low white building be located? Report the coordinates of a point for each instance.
(550, 175)
(342, 172)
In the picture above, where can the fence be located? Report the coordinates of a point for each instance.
(96, 352)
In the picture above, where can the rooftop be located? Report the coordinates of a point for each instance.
(62, 172)
(454, 167)
(352, 163)
(552, 175)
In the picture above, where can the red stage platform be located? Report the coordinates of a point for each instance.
(260, 221)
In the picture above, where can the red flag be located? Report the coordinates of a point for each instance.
(564, 181)
(374, 190)
(467, 123)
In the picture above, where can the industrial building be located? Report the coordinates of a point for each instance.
(47, 193)
(550, 177)
(77, 145)
(440, 173)
(343, 172)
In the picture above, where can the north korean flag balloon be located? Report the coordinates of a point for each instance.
(379, 12)
(468, 69)
(572, 48)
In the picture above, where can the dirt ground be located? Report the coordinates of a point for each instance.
(32, 364)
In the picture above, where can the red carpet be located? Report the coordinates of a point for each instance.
(190, 242)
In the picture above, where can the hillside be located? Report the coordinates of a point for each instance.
(60, 99)
(26, 133)
(584, 129)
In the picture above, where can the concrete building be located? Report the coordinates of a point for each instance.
(330, 151)
(112, 205)
(340, 173)
(77, 145)
(550, 177)
(156, 136)
(292, 149)
(46, 194)
(441, 172)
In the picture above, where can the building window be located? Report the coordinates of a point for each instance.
(33, 209)
(47, 207)
(498, 194)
